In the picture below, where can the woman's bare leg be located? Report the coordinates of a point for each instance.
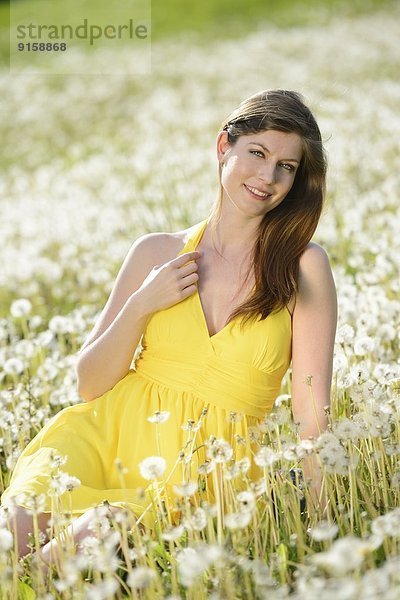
(50, 554)
(20, 517)
(78, 529)
(21, 524)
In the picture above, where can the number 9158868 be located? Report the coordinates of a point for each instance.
(42, 47)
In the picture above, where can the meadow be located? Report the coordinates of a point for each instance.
(89, 164)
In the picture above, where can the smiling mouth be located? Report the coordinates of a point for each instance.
(255, 193)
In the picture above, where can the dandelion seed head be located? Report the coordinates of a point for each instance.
(388, 524)
(345, 555)
(141, 578)
(244, 464)
(159, 417)
(238, 520)
(323, 531)
(153, 467)
(231, 472)
(33, 503)
(13, 366)
(258, 487)
(102, 590)
(246, 500)
(219, 450)
(186, 489)
(189, 426)
(6, 540)
(173, 533)
(266, 457)
(21, 308)
(207, 467)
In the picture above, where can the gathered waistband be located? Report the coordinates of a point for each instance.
(233, 386)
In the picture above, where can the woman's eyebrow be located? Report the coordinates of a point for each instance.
(266, 149)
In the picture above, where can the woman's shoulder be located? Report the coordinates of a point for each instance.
(161, 246)
(313, 256)
(315, 271)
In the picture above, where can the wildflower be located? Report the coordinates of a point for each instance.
(266, 457)
(62, 482)
(345, 334)
(219, 450)
(238, 520)
(232, 472)
(210, 509)
(307, 445)
(60, 325)
(331, 453)
(198, 519)
(189, 425)
(345, 555)
(244, 464)
(207, 467)
(340, 363)
(21, 308)
(241, 441)
(173, 533)
(290, 453)
(246, 500)
(386, 332)
(282, 399)
(152, 467)
(323, 531)
(141, 578)
(56, 460)
(102, 590)
(258, 487)
(34, 503)
(235, 417)
(364, 345)
(346, 429)
(13, 366)
(120, 467)
(262, 575)
(253, 433)
(388, 524)
(159, 416)
(186, 489)
(25, 348)
(193, 561)
(6, 540)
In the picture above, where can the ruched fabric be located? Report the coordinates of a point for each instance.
(235, 374)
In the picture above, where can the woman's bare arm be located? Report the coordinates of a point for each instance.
(147, 282)
(314, 329)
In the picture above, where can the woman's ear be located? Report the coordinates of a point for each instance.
(222, 145)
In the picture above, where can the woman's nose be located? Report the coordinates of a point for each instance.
(267, 172)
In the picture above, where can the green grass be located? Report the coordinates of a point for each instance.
(230, 17)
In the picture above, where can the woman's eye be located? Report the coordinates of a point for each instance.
(257, 152)
(287, 166)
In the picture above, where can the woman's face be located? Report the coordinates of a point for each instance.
(259, 169)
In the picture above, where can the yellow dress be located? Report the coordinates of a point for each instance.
(182, 370)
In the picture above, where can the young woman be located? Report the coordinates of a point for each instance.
(221, 309)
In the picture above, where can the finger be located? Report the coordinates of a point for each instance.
(186, 269)
(186, 257)
(190, 279)
(187, 291)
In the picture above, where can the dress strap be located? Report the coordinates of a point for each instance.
(194, 237)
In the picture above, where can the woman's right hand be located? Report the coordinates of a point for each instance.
(171, 282)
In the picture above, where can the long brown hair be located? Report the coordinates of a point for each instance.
(285, 231)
